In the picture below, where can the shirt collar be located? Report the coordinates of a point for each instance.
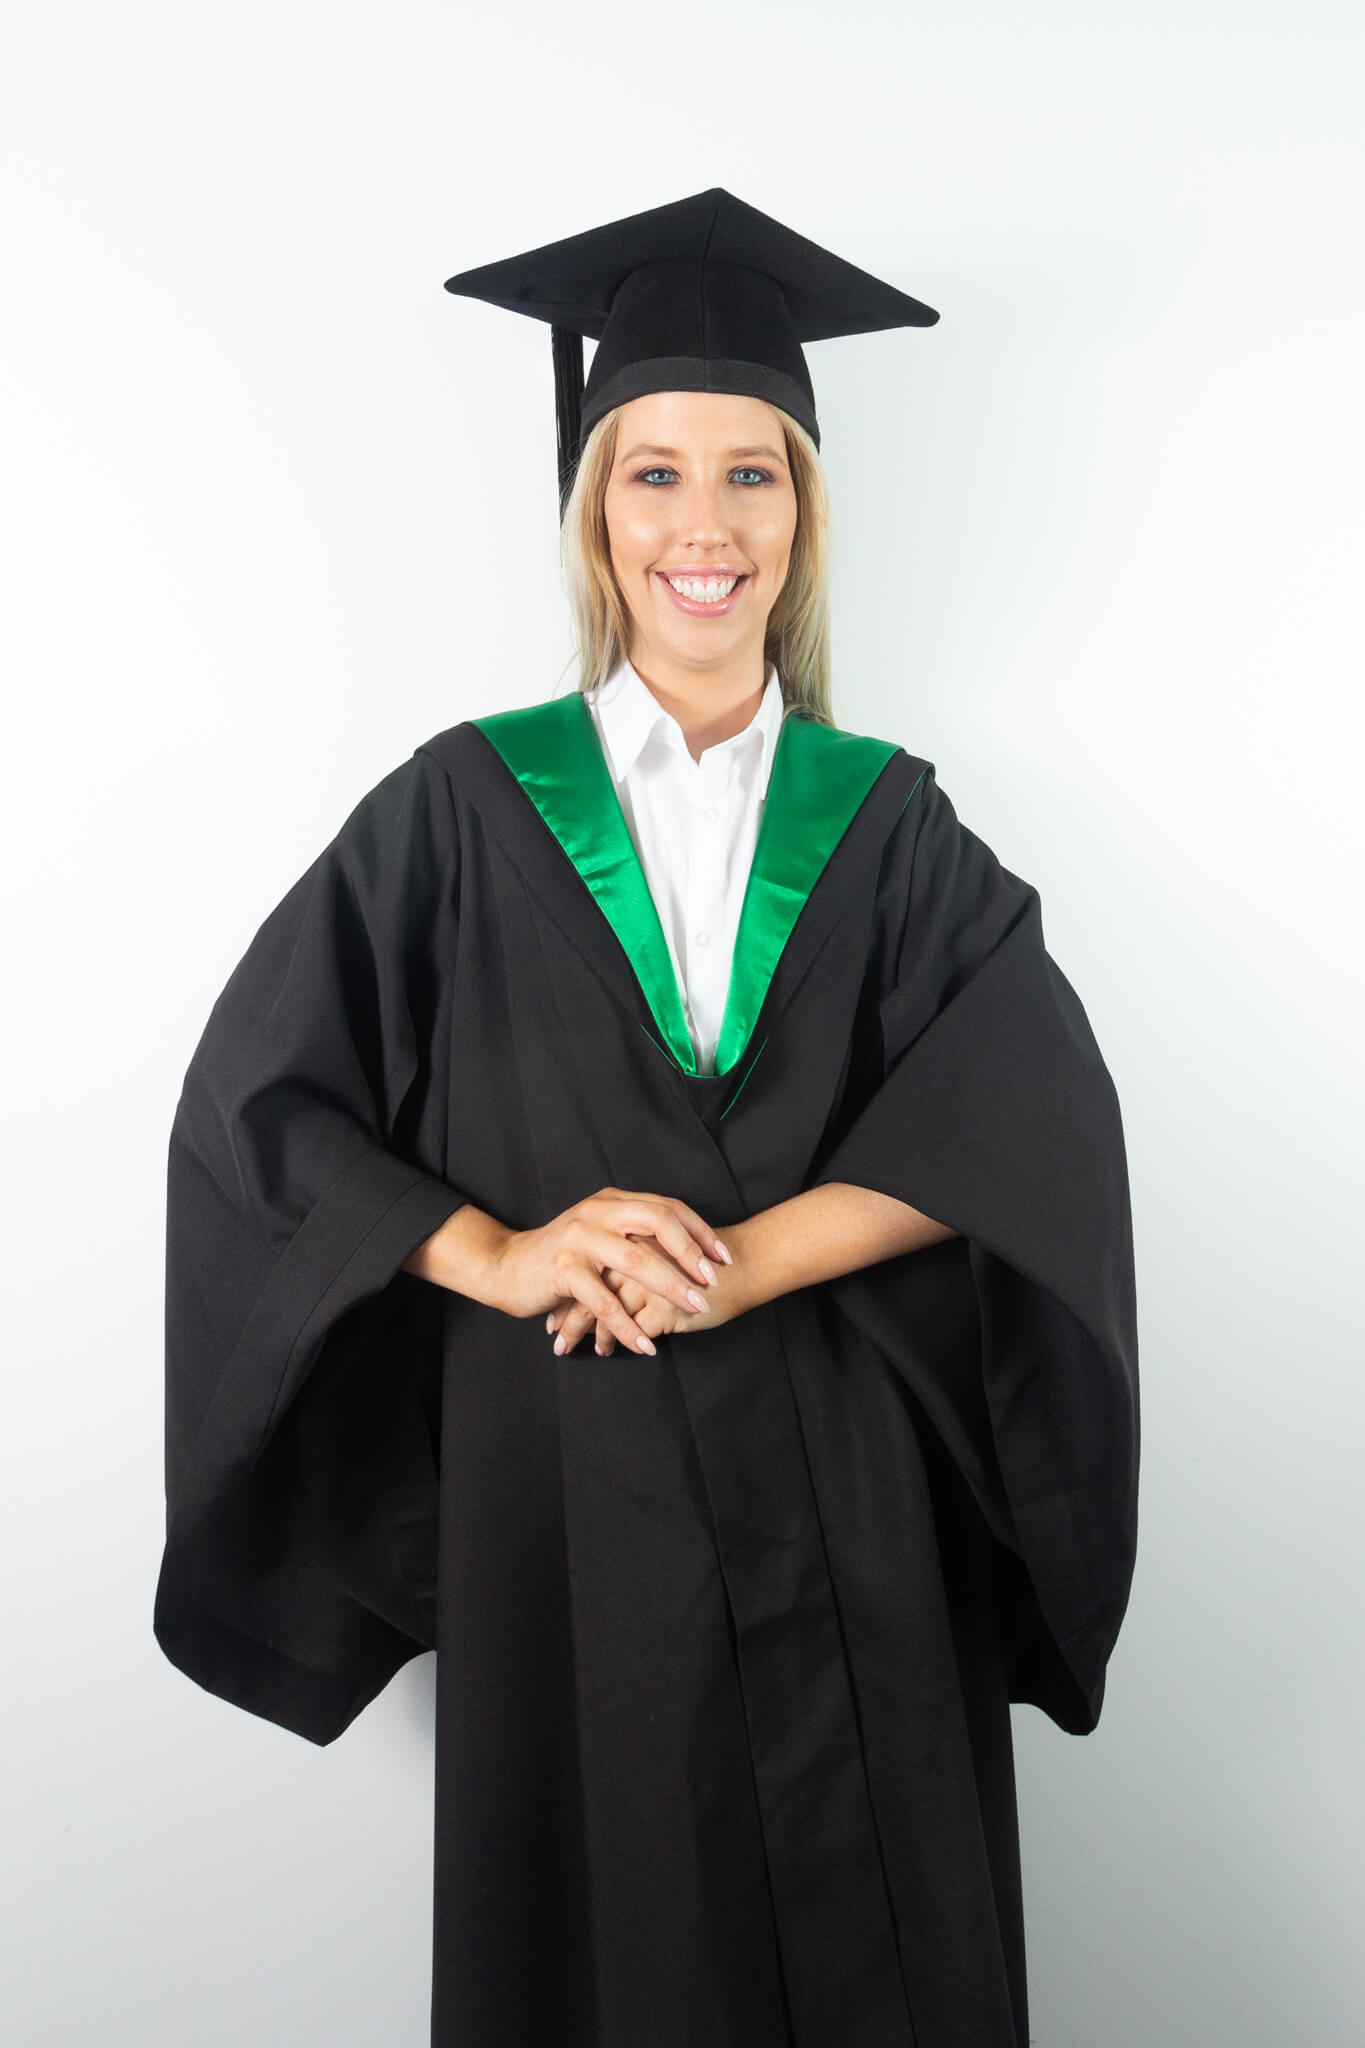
(629, 714)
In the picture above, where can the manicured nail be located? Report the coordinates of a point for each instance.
(708, 1272)
(721, 1251)
(549, 1323)
(645, 1345)
(559, 1345)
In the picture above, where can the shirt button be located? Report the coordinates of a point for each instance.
(710, 812)
(703, 938)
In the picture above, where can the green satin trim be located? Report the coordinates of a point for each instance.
(820, 778)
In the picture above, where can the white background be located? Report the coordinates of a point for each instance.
(277, 508)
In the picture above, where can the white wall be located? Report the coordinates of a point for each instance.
(277, 507)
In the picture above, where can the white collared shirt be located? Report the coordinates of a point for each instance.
(695, 826)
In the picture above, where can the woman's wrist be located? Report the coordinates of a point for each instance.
(464, 1255)
(762, 1267)
(735, 1289)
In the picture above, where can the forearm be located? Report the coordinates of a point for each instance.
(461, 1254)
(815, 1236)
(820, 1234)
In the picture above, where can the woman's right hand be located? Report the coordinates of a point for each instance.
(538, 1270)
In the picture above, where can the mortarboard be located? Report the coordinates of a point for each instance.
(705, 294)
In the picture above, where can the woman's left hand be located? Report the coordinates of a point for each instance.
(655, 1313)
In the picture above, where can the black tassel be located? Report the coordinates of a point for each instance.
(568, 353)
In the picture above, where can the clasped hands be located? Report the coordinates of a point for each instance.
(630, 1267)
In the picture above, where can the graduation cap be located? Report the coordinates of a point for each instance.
(706, 294)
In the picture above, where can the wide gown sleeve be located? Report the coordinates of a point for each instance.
(302, 1366)
(997, 1115)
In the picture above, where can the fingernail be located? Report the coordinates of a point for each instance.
(723, 1253)
(708, 1272)
(559, 1344)
(645, 1345)
(697, 1300)
(549, 1323)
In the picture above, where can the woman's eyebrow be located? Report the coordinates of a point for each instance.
(648, 448)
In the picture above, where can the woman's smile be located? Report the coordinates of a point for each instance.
(704, 593)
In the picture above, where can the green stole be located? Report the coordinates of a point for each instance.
(820, 777)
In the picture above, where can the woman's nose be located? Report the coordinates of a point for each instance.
(703, 518)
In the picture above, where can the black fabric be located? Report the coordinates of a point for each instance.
(567, 348)
(708, 279)
(716, 316)
(695, 373)
(728, 1636)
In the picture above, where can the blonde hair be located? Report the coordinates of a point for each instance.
(797, 637)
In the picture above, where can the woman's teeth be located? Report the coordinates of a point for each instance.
(703, 592)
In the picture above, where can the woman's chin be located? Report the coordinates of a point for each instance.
(693, 638)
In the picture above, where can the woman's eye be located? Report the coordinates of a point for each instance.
(760, 476)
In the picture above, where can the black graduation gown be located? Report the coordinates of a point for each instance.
(728, 1636)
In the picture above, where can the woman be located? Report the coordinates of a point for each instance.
(539, 1049)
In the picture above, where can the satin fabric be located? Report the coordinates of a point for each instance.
(694, 825)
(819, 777)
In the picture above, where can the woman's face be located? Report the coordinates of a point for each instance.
(700, 494)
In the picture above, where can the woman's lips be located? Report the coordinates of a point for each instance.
(702, 611)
